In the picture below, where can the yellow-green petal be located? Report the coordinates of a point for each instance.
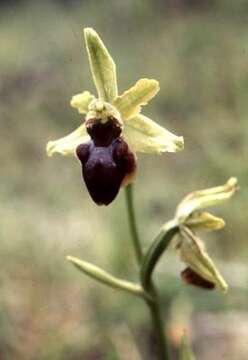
(68, 144)
(130, 102)
(102, 66)
(204, 221)
(144, 135)
(81, 101)
(193, 253)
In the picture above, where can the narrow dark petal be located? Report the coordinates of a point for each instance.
(192, 278)
(105, 168)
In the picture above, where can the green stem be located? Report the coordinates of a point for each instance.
(132, 224)
(161, 342)
(154, 306)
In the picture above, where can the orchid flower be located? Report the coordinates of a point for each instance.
(201, 270)
(113, 129)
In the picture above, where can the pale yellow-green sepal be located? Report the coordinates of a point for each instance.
(68, 144)
(193, 253)
(144, 135)
(102, 66)
(204, 198)
(81, 101)
(130, 102)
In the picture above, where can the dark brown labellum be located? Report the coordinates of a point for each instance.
(192, 278)
(106, 161)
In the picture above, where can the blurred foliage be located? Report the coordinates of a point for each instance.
(198, 51)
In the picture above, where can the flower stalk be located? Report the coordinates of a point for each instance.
(132, 224)
(162, 349)
(156, 250)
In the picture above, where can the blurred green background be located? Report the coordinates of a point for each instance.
(198, 50)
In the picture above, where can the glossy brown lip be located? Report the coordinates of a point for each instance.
(106, 161)
(192, 278)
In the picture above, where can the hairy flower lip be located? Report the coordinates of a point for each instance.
(105, 168)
